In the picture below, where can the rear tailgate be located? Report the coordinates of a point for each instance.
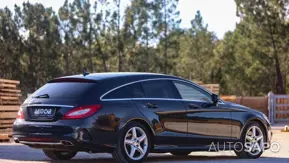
(53, 100)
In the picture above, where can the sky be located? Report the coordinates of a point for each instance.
(220, 15)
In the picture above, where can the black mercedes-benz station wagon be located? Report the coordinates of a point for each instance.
(133, 114)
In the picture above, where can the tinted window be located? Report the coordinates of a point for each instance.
(130, 91)
(158, 89)
(189, 92)
(64, 90)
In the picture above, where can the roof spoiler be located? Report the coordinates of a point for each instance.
(77, 80)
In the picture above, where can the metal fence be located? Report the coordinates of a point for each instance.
(278, 108)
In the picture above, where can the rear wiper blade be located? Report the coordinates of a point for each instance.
(42, 96)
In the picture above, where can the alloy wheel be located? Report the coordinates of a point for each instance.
(254, 139)
(136, 143)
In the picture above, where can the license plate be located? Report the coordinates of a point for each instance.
(43, 112)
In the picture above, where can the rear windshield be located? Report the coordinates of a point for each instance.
(64, 90)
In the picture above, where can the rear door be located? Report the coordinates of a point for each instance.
(165, 111)
(207, 122)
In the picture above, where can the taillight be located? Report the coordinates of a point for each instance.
(82, 112)
(20, 114)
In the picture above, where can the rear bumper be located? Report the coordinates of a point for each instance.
(65, 145)
(62, 135)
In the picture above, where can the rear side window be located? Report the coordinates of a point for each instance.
(129, 91)
(64, 90)
(158, 89)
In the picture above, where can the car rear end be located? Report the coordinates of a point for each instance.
(60, 115)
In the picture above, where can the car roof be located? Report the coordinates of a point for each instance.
(115, 79)
(116, 75)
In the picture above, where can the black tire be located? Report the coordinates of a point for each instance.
(180, 153)
(59, 155)
(242, 153)
(120, 155)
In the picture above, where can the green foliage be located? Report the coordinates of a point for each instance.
(38, 44)
(197, 49)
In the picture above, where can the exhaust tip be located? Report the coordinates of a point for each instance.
(16, 140)
(66, 143)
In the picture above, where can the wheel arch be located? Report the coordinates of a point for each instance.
(142, 121)
(257, 120)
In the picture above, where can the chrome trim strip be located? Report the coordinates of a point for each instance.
(125, 99)
(152, 80)
(40, 143)
(165, 99)
(53, 105)
(117, 99)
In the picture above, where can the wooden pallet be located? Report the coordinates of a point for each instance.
(4, 137)
(10, 90)
(9, 81)
(9, 94)
(7, 116)
(7, 131)
(6, 121)
(9, 106)
(10, 102)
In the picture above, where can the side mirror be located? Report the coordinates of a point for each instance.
(215, 98)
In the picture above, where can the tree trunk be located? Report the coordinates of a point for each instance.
(120, 63)
(120, 50)
(67, 61)
(166, 41)
(90, 59)
(279, 85)
(102, 59)
(66, 64)
(147, 56)
(90, 53)
(102, 56)
(104, 64)
(89, 48)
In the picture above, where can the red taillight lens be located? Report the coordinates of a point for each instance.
(82, 112)
(20, 114)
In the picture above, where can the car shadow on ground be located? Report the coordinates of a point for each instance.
(187, 159)
(163, 159)
(19, 153)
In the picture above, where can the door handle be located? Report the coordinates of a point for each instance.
(193, 106)
(151, 105)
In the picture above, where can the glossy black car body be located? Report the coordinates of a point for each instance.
(175, 124)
